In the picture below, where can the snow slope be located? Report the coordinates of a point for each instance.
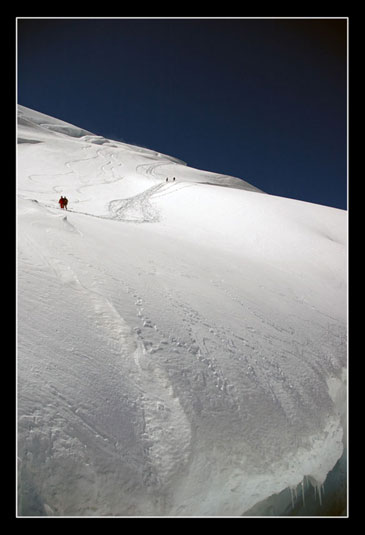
(181, 345)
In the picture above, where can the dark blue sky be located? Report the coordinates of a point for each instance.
(262, 99)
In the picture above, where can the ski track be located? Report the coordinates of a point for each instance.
(108, 172)
(137, 209)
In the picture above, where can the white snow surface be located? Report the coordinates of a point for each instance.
(181, 345)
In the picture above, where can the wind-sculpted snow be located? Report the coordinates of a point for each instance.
(181, 345)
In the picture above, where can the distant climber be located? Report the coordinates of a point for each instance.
(63, 202)
(167, 179)
(173, 179)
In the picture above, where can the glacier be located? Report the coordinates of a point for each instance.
(181, 344)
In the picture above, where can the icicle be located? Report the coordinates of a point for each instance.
(292, 497)
(319, 493)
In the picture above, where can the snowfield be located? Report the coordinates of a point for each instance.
(181, 345)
